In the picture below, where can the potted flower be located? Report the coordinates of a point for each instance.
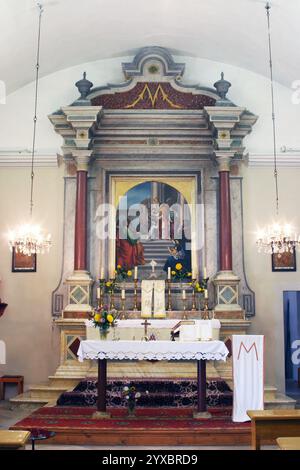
(104, 319)
(122, 273)
(131, 396)
(180, 273)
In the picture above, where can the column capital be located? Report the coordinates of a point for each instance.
(224, 117)
(82, 158)
(229, 124)
(224, 159)
(82, 119)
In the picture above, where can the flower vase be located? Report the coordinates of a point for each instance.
(131, 409)
(103, 334)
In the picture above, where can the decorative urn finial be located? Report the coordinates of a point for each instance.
(222, 86)
(84, 86)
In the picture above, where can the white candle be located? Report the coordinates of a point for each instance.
(204, 273)
(194, 274)
(135, 272)
(98, 292)
(183, 295)
(169, 273)
(205, 294)
(102, 273)
(123, 294)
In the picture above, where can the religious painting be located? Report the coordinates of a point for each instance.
(153, 229)
(22, 263)
(284, 262)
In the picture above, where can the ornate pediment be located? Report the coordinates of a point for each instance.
(152, 95)
(153, 80)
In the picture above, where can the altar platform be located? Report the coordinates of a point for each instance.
(163, 426)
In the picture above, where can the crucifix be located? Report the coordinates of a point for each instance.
(153, 264)
(145, 325)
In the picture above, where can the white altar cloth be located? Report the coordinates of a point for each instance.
(152, 350)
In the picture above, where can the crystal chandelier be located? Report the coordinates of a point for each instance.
(29, 238)
(277, 237)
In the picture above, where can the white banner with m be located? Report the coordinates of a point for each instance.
(248, 375)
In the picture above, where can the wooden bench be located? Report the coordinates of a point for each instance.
(13, 440)
(268, 425)
(12, 379)
(288, 443)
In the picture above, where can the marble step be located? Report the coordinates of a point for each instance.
(280, 401)
(47, 391)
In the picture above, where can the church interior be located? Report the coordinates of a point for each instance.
(149, 280)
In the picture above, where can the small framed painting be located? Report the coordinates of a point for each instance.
(283, 262)
(23, 263)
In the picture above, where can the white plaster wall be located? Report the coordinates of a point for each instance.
(259, 197)
(26, 325)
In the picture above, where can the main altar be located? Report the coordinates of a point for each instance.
(153, 139)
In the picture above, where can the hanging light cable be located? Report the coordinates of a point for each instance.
(29, 238)
(275, 238)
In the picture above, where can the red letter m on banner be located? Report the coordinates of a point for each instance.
(248, 350)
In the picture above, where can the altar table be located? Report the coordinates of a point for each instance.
(200, 351)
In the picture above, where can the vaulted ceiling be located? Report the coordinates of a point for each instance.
(77, 31)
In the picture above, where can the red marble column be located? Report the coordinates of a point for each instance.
(225, 235)
(80, 255)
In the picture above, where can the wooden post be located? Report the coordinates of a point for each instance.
(201, 386)
(201, 412)
(101, 386)
(102, 368)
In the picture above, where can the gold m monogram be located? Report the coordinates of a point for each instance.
(248, 350)
(153, 98)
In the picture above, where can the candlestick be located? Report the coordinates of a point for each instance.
(135, 272)
(100, 293)
(135, 307)
(112, 296)
(194, 295)
(169, 273)
(123, 296)
(206, 311)
(123, 309)
(169, 295)
(184, 307)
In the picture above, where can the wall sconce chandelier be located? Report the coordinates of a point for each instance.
(30, 238)
(277, 237)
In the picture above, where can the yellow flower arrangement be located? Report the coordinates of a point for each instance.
(173, 273)
(110, 318)
(97, 317)
(189, 274)
(129, 273)
(178, 266)
(108, 284)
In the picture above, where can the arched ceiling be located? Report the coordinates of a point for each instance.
(76, 31)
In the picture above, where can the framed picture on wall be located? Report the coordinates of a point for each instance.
(23, 263)
(284, 262)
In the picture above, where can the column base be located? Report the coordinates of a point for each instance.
(101, 415)
(201, 415)
(79, 295)
(227, 283)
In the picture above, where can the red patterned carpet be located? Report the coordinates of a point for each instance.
(150, 426)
